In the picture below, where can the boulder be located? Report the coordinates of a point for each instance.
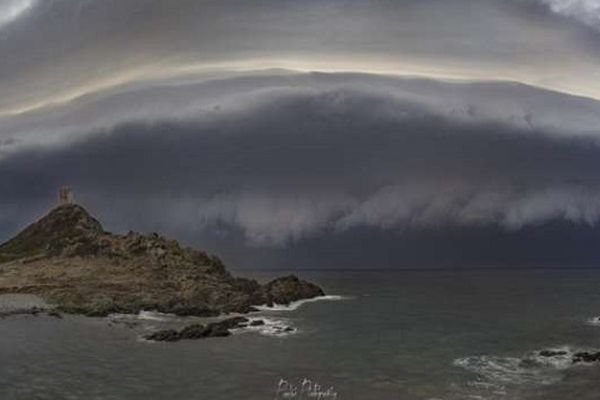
(586, 357)
(198, 331)
(167, 335)
(552, 353)
(290, 288)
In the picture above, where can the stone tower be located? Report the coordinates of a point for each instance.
(65, 195)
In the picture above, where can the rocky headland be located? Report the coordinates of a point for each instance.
(72, 263)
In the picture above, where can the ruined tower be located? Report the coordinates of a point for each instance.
(65, 195)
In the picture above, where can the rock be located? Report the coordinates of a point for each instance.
(290, 288)
(34, 311)
(586, 357)
(552, 353)
(195, 331)
(579, 357)
(198, 331)
(167, 335)
(232, 323)
(216, 330)
(55, 314)
(70, 261)
(257, 322)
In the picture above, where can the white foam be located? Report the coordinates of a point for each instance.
(594, 321)
(500, 370)
(532, 368)
(142, 315)
(272, 327)
(155, 316)
(296, 304)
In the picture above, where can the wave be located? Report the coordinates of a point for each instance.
(501, 370)
(155, 316)
(271, 327)
(595, 321)
(142, 315)
(539, 367)
(296, 304)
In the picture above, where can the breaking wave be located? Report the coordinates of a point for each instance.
(155, 316)
(496, 374)
(271, 327)
(296, 304)
(594, 321)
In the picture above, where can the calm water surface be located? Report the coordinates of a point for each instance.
(395, 335)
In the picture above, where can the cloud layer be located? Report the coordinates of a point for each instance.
(58, 51)
(583, 11)
(13, 9)
(285, 158)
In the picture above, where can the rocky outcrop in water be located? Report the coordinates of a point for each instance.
(198, 331)
(289, 288)
(69, 260)
(576, 358)
(586, 357)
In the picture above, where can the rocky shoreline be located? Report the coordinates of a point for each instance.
(69, 260)
(34, 311)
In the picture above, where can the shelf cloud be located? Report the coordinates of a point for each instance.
(285, 157)
(285, 129)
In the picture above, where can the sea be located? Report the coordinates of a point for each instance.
(380, 335)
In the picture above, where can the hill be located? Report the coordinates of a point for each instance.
(69, 260)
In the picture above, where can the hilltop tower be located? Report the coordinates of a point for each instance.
(65, 196)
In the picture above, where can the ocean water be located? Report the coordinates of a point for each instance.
(449, 335)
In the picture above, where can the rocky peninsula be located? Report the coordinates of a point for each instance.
(71, 262)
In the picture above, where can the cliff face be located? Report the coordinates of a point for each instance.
(68, 259)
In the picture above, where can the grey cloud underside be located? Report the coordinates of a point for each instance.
(62, 46)
(586, 12)
(287, 159)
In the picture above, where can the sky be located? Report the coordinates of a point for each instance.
(313, 134)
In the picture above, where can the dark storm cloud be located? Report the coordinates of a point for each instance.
(155, 113)
(285, 164)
